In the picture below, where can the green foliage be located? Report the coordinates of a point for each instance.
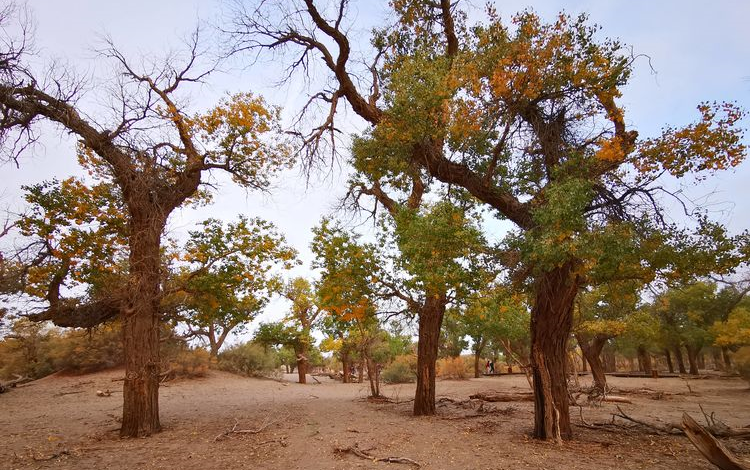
(77, 233)
(440, 249)
(251, 359)
(229, 275)
(401, 370)
(734, 331)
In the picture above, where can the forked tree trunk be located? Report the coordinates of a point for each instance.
(372, 375)
(551, 323)
(680, 362)
(430, 320)
(692, 353)
(592, 350)
(140, 411)
(644, 358)
(668, 356)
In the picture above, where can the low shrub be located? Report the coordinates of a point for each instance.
(401, 370)
(250, 359)
(454, 368)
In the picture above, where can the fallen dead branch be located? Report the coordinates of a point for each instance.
(715, 426)
(709, 446)
(363, 455)
(266, 423)
(502, 397)
(61, 394)
(668, 428)
(5, 386)
(53, 456)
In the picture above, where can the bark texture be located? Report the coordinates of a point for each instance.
(140, 415)
(551, 323)
(430, 320)
(592, 349)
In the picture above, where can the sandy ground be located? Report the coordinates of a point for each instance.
(60, 422)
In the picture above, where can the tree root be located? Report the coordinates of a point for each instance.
(363, 455)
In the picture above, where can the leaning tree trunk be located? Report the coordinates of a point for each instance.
(668, 356)
(680, 361)
(592, 353)
(692, 353)
(430, 320)
(644, 358)
(140, 412)
(551, 323)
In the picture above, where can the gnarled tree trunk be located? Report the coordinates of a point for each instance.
(668, 356)
(551, 323)
(692, 353)
(140, 412)
(592, 350)
(680, 361)
(644, 360)
(430, 320)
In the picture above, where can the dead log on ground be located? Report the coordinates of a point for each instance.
(502, 397)
(4, 387)
(709, 446)
(363, 455)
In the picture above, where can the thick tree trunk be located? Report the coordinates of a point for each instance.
(430, 320)
(680, 362)
(140, 411)
(551, 323)
(717, 359)
(591, 352)
(584, 362)
(609, 360)
(346, 363)
(701, 360)
(692, 353)
(478, 348)
(302, 366)
(644, 359)
(727, 359)
(476, 365)
(668, 356)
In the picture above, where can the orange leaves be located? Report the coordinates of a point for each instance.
(711, 144)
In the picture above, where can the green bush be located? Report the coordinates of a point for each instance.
(250, 359)
(401, 370)
(742, 362)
